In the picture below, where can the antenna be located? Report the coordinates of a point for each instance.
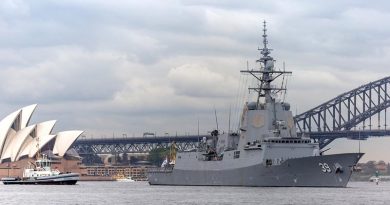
(230, 112)
(284, 69)
(198, 131)
(247, 68)
(198, 128)
(285, 90)
(266, 74)
(216, 118)
(285, 85)
(359, 140)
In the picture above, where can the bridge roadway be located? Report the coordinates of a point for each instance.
(134, 144)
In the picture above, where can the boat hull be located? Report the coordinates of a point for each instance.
(317, 171)
(62, 179)
(124, 180)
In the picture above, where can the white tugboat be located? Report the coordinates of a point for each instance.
(41, 172)
(124, 179)
(265, 152)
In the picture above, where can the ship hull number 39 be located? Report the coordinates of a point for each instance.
(325, 167)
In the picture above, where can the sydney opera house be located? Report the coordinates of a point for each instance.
(20, 142)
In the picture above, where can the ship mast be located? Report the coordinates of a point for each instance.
(265, 75)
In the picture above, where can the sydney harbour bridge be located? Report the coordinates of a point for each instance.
(358, 114)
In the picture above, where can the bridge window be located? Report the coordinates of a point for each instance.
(268, 162)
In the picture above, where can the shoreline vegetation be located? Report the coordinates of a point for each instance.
(364, 171)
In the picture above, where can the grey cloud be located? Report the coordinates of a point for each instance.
(206, 84)
(70, 75)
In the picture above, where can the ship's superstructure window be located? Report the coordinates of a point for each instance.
(236, 154)
(299, 141)
(268, 162)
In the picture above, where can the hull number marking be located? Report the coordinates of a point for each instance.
(325, 167)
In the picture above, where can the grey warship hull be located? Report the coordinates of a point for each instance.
(298, 172)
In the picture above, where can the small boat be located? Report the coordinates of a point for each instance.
(123, 178)
(126, 179)
(373, 179)
(40, 172)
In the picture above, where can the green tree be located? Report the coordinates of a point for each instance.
(125, 159)
(157, 156)
(369, 167)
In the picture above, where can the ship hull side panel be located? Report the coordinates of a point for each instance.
(317, 171)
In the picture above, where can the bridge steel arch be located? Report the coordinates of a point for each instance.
(345, 112)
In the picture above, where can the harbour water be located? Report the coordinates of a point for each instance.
(142, 193)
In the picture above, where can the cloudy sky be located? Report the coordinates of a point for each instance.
(128, 67)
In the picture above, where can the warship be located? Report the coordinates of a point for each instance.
(265, 151)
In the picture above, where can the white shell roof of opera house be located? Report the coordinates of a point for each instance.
(18, 138)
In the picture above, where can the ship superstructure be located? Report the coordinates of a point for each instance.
(266, 151)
